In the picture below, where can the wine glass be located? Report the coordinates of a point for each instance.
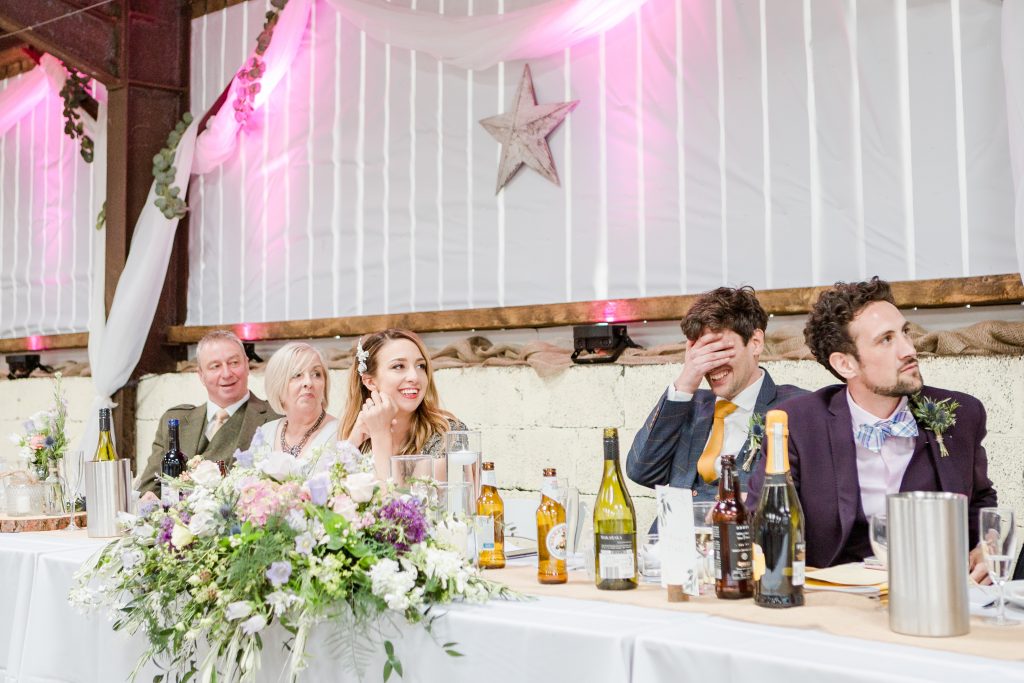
(74, 469)
(997, 529)
(878, 534)
(705, 544)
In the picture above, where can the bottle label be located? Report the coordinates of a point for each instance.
(799, 553)
(616, 556)
(550, 489)
(555, 541)
(737, 557)
(488, 479)
(486, 531)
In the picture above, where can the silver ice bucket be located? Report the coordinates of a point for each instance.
(927, 535)
(108, 488)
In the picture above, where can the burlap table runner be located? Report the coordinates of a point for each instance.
(841, 614)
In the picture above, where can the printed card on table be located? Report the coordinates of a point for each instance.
(676, 541)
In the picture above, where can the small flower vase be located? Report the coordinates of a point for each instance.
(53, 494)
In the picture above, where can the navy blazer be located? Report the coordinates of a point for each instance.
(823, 462)
(667, 447)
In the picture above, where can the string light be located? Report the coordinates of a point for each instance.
(50, 21)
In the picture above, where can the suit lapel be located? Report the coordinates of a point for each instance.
(255, 412)
(703, 418)
(926, 446)
(765, 398)
(191, 431)
(844, 463)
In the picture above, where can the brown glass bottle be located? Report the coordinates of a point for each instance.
(731, 529)
(492, 549)
(551, 539)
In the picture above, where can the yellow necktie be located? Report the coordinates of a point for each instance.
(706, 463)
(218, 421)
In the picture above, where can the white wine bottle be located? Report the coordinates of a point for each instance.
(614, 525)
(105, 449)
(778, 542)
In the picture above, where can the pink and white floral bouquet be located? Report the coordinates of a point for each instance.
(279, 539)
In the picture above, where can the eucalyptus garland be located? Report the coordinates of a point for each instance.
(74, 94)
(247, 80)
(168, 199)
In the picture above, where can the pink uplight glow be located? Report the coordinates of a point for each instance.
(614, 311)
(36, 343)
(249, 331)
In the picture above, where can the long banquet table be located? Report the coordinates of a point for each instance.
(552, 638)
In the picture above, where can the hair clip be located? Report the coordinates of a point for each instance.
(361, 357)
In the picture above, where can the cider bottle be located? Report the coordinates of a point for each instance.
(731, 532)
(551, 538)
(489, 504)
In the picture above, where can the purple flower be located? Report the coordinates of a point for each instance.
(244, 458)
(279, 573)
(319, 488)
(166, 527)
(29, 426)
(401, 523)
(147, 507)
(49, 442)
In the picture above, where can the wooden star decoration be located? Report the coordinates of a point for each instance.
(524, 130)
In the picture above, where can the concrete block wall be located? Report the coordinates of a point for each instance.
(529, 422)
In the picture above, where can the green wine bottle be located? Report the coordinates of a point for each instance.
(105, 449)
(778, 542)
(614, 525)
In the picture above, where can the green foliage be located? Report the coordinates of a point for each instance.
(168, 198)
(74, 93)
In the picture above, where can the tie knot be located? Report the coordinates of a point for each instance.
(723, 409)
(221, 417)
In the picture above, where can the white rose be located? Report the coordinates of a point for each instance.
(181, 536)
(144, 531)
(254, 624)
(361, 486)
(131, 558)
(207, 474)
(238, 610)
(346, 507)
(279, 466)
(202, 524)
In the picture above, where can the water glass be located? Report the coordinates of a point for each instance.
(410, 467)
(997, 530)
(878, 534)
(649, 558)
(705, 545)
(452, 500)
(463, 452)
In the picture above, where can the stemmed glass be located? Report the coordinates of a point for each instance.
(998, 543)
(73, 483)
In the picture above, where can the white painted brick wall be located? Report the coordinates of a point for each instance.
(530, 422)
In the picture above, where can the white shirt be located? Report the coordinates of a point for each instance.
(212, 409)
(736, 422)
(880, 473)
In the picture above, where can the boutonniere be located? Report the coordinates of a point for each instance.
(936, 416)
(755, 433)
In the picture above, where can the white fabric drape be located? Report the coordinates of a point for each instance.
(773, 144)
(480, 42)
(220, 138)
(115, 344)
(46, 208)
(1013, 72)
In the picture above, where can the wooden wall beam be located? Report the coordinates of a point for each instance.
(985, 290)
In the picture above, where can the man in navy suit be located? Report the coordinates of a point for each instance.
(683, 439)
(852, 444)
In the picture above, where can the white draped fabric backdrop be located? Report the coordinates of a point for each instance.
(771, 143)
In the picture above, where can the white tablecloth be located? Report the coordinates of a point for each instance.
(43, 640)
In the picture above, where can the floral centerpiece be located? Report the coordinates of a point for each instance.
(45, 440)
(297, 541)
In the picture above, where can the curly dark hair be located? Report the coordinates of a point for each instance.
(828, 326)
(725, 308)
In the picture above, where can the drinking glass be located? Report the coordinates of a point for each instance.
(997, 529)
(878, 534)
(406, 467)
(463, 452)
(705, 545)
(73, 469)
(649, 558)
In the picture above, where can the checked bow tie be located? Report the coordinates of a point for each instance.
(873, 436)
